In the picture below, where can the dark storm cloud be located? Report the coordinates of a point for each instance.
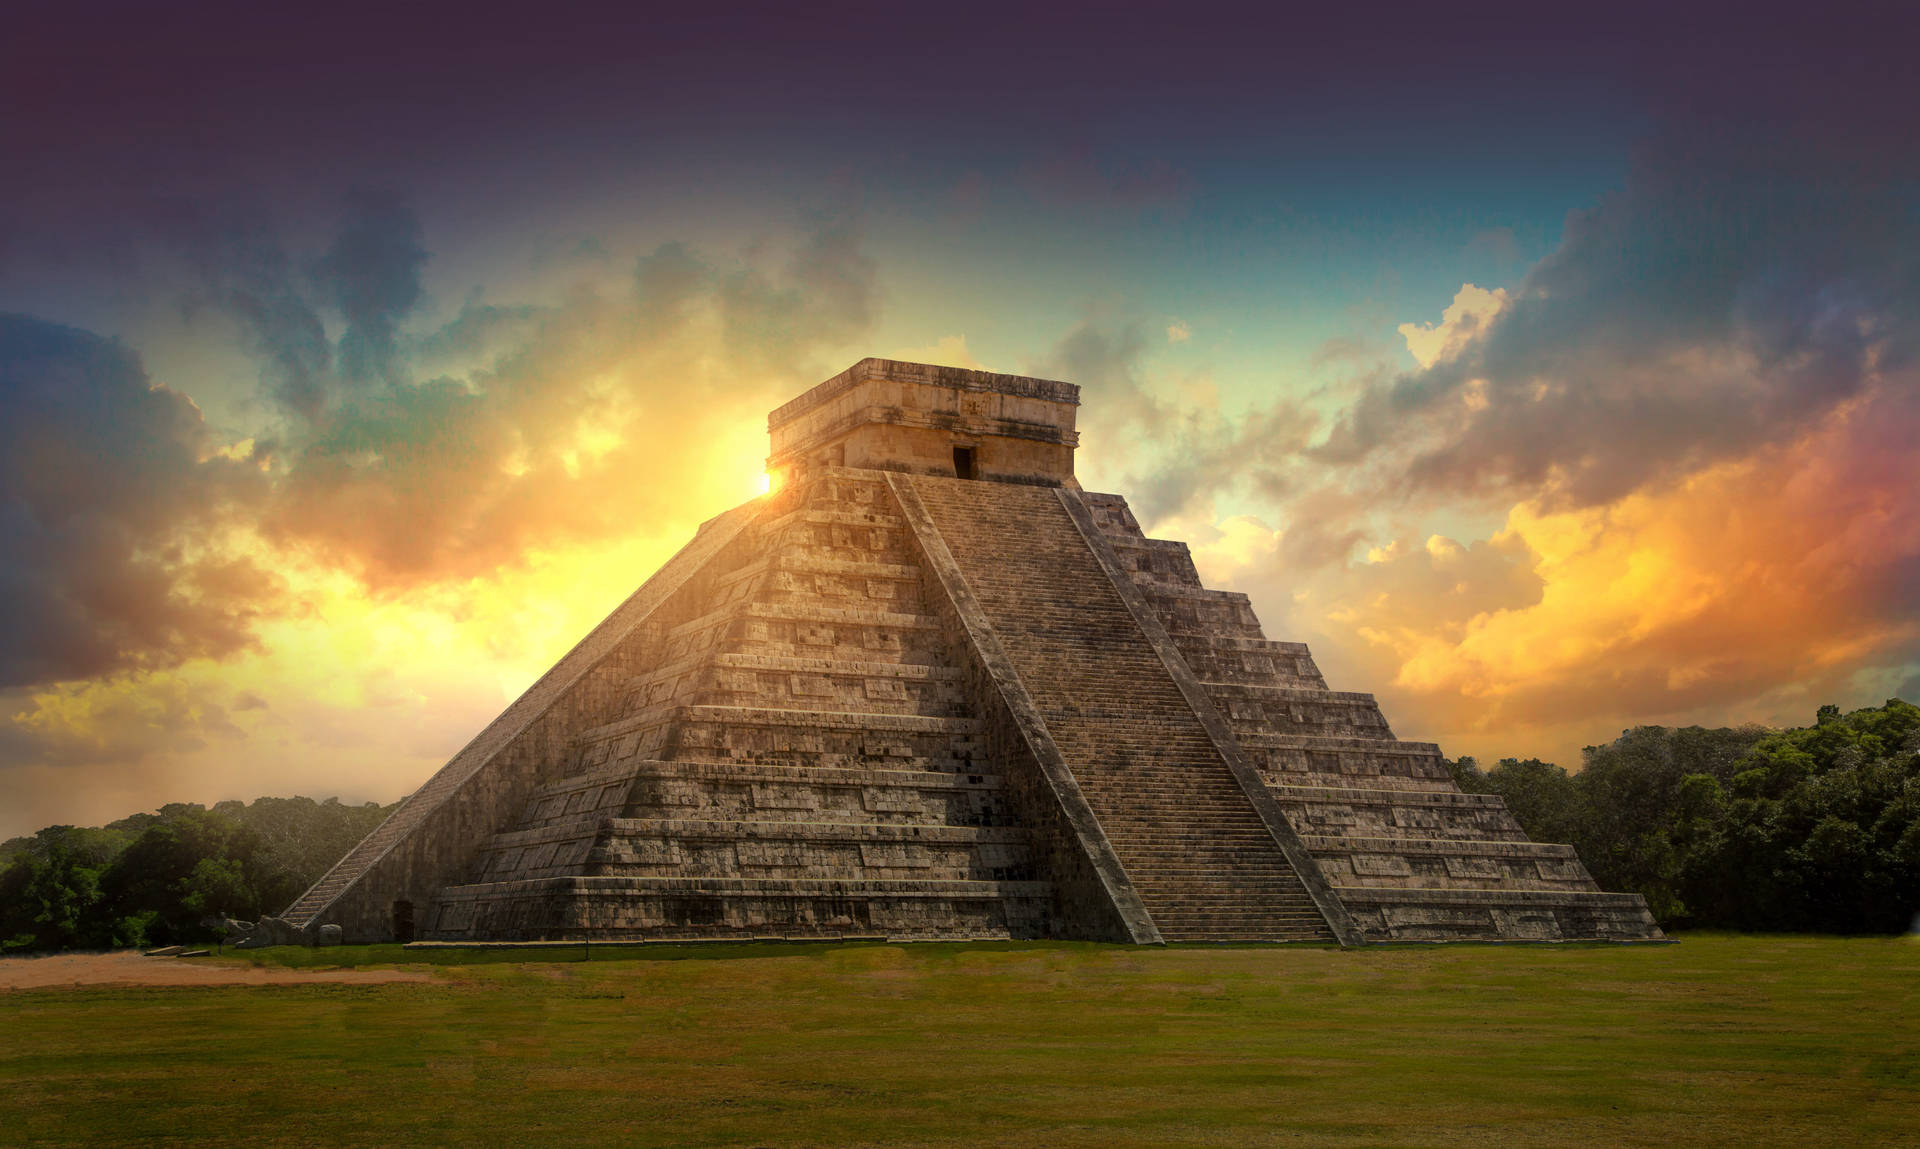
(404, 456)
(371, 276)
(1718, 303)
(448, 453)
(242, 268)
(106, 509)
(368, 277)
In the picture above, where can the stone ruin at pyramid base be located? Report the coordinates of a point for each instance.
(931, 689)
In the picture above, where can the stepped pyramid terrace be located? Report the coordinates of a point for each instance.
(928, 688)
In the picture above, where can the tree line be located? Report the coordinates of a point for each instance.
(1813, 829)
(148, 880)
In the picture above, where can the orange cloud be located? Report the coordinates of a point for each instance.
(1678, 455)
(1752, 590)
(429, 522)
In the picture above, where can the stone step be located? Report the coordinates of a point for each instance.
(789, 821)
(737, 848)
(1213, 921)
(1204, 640)
(1429, 847)
(834, 517)
(640, 907)
(903, 777)
(740, 830)
(804, 563)
(1289, 694)
(806, 738)
(828, 695)
(852, 669)
(605, 886)
(788, 610)
(1373, 796)
(786, 663)
(788, 718)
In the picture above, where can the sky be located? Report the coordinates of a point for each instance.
(1550, 372)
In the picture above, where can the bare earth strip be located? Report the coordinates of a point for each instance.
(130, 967)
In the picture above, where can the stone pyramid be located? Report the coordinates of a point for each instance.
(930, 688)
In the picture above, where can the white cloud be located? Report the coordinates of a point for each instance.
(1464, 318)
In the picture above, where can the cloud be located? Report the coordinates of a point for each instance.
(1464, 319)
(371, 276)
(1685, 438)
(112, 503)
(1179, 331)
(946, 351)
(1753, 590)
(1715, 305)
(827, 298)
(420, 517)
(410, 454)
(1168, 444)
(1796, 569)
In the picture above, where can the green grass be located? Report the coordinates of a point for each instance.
(1720, 1040)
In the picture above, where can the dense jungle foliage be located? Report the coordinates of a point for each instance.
(151, 878)
(1814, 829)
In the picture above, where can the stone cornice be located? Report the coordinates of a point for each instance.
(954, 378)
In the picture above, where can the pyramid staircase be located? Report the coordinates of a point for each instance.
(1204, 864)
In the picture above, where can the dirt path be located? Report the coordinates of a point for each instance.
(129, 967)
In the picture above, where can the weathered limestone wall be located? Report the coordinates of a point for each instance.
(885, 415)
(929, 451)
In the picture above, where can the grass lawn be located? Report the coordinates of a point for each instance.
(1717, 1041)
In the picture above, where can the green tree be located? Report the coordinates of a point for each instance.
(161, 870)
(50, 891)
(1541, 794)
(1815, 828)
(149, 878)
(219, 886)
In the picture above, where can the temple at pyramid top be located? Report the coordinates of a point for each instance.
(886, 415)
(885, 700)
